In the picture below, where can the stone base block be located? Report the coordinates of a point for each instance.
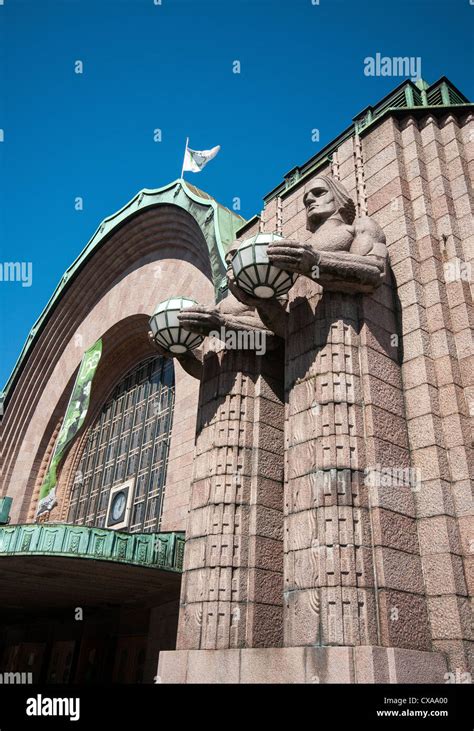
(364, 664)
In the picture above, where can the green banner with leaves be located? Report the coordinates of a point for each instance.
(73, 420)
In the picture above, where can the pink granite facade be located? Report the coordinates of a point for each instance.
(377, 382)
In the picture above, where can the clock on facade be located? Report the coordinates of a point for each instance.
(118, 505)
(119, 508)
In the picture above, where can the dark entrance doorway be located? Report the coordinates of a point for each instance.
(108, 645)
(73, 620)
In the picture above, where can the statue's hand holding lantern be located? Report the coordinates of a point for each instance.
(291, 256)
(201, 319)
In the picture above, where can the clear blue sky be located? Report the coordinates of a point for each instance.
(169, 66)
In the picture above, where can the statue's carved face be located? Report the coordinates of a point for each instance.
(230, 255)
(319, 202)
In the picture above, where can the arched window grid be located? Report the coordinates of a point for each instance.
(129, 439)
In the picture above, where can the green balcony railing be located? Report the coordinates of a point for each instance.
(155, 550)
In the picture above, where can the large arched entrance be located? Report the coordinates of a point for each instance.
(92, 594)
(87, 602)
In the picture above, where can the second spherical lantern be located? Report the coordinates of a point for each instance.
(166, 327)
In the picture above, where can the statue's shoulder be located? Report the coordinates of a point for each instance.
(368, 226)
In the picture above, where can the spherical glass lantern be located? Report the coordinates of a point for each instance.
(253, 271)
(167, 330)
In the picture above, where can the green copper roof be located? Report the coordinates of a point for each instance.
(218, 225)
(419, 98)
(154, 550)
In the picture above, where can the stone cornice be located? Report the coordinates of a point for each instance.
(441, 98)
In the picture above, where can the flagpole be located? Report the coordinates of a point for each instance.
(184, 158)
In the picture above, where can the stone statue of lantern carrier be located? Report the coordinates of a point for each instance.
(284, 539)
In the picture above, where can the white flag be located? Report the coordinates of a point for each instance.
(195, 160)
